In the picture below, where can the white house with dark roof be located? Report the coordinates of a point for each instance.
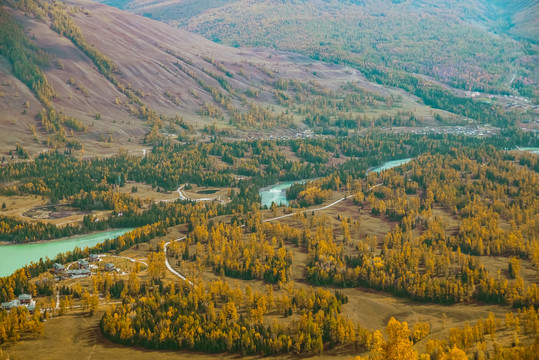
(23, 300)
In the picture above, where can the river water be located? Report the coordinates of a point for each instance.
(389, 165)
(534, 150)
(13, 257)
(277, 193)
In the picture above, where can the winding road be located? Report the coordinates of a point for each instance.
(167, 263)
(176, 273)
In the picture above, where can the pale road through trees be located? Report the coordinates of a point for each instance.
(176, 273)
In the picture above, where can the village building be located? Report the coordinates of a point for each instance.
(78, 273)
(83, 264)
(110, 267)
(93, 258)
(23, 300)
(8, 305)
(58, 268)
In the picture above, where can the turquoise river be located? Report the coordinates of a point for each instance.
(15, 256)
(277, 193)
(389, 165)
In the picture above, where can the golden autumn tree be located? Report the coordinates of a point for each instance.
(454, 354)
(398, 345)
(156, 264)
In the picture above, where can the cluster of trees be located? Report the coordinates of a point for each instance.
(25, 57)
(28, 231)
(58, 177)
(259, 117)
(106, 200)
(228, 252)
(19, 323)
(325, 109)
(313, 154)
(217, 318)
(399, 341)
(313, 192)
(412, 267)
(518, 326)
(346, 108)
(441, 98)
(479, 186)
(52, 122)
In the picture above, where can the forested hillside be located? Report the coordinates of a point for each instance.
(449, 41)
(103, 79)
(518, 18)
(442, 252)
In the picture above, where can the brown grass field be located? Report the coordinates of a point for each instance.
(35, 208)
(77, 336)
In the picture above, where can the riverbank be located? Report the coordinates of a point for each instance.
(15, 256)
(388, 165)
(534, 150)
(7, 243)
(276, 193)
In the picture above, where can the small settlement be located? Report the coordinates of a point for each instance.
(23, 300)
(82, 268)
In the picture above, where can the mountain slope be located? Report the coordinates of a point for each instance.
(450, 41)
(184, 78)
(179, 11)
(16, 118)
(518, 18)
(112, 79)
